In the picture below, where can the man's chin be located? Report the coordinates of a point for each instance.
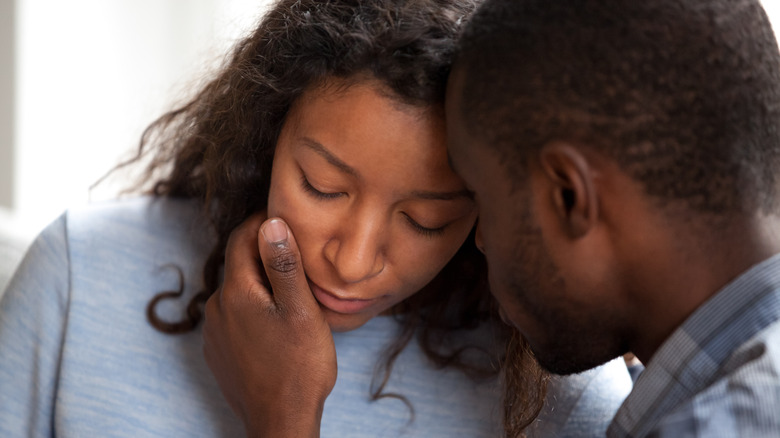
(565, 364)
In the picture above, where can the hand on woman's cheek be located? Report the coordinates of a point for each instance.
(271, 353)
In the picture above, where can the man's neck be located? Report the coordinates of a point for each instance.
(683, 279)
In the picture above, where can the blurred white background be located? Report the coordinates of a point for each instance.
(80, 79)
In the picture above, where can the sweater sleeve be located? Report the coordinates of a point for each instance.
(33, 316)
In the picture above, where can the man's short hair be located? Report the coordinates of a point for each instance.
(683, 94)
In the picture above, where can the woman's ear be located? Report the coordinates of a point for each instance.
(570, 179)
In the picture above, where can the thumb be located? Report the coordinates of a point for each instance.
(282, 261)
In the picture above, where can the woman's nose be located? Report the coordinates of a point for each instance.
(357, 254)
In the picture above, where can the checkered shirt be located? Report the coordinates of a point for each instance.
(718, 375)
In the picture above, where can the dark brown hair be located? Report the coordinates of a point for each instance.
(218, 148)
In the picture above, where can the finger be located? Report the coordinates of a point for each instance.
(282, 261)
(242, 261)
(212, 313)
(211, 322)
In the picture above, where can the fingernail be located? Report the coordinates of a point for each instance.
(275, 232)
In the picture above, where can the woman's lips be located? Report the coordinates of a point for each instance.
(339, 305)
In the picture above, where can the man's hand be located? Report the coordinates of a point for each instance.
(270, 349)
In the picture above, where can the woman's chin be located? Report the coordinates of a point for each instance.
(339, 322)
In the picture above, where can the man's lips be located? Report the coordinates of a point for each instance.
(337, 304)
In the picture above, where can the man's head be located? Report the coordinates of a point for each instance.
(598, 137)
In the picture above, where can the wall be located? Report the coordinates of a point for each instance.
(6, 102)
(89, 76)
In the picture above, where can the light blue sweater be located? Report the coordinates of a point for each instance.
(79, 359)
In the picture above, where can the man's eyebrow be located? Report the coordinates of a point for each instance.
(443, 196)
(332, 159)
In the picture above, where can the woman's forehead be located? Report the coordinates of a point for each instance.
(361, 130)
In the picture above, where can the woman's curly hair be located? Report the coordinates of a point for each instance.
(218, 148)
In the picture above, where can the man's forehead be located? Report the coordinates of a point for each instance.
(454, 94)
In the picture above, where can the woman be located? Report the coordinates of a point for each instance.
(330, 116)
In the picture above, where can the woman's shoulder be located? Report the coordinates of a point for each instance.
(130, 239)
(138, 226)
(583, 405)
(145, 214)
(76, 313)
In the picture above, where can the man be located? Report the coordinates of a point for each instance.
(623, 156)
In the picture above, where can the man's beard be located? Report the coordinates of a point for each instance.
(570, 340)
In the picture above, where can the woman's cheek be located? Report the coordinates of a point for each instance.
(423, 266)
(282, 200)
(305, 218)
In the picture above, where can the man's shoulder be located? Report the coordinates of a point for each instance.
(718, 373)
(743, 401)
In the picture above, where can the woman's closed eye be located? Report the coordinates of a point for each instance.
(425, 231)
(309, 188)
(430, 232)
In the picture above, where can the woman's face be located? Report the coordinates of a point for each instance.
(364, 183)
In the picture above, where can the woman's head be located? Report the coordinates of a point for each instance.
(360, 85)
(364, 183)
(227, 134)
(383, 64)
(313, 53)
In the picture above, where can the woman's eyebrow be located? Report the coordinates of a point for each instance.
(332, 159)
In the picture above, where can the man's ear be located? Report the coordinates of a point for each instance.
(570, 178)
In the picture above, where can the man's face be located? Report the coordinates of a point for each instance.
(566, 317)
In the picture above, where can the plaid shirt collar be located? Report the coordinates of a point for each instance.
(691, 358)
